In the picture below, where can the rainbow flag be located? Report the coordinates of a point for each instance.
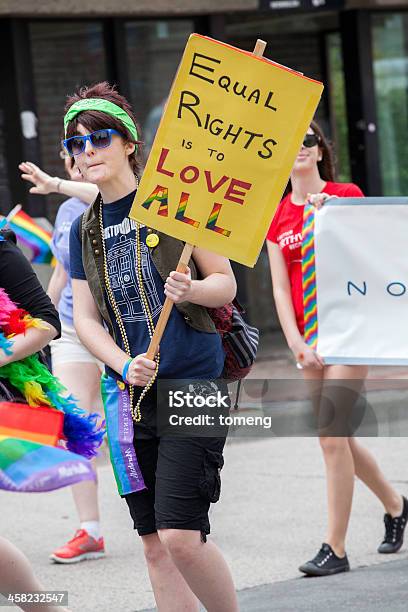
(30, 467)
(33, 236)
(30, 460)
(41, 424)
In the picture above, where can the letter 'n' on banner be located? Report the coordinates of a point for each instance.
(223, 152)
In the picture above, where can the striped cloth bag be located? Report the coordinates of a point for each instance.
(239, 339)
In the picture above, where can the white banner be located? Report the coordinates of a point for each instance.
(361, 259)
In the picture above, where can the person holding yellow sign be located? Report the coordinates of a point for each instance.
(121, 274)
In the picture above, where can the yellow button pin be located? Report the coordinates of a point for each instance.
(121, 385)
(152, 240)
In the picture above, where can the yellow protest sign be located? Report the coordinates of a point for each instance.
(224, 149)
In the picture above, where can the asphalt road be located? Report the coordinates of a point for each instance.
(271, 517)
(370, 589)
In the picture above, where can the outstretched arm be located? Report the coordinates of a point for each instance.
(45, 184)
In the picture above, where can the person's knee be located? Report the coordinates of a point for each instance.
(332, 445)
(182, 545)
(154, 550)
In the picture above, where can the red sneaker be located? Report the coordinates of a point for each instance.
(80, 548)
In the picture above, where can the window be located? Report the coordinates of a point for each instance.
(5, 196)
(338, 113)
(65, 55)
(154, 50)
(390, 66)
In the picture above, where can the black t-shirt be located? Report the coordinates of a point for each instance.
(184, 352)
(20, 282)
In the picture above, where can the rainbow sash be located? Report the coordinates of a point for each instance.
(309, 277)
(119, 425)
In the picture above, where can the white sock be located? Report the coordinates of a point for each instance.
(93, 528)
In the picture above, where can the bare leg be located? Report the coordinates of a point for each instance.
(340, 469)
(368, 471)
(82, 380)
(171, 592)
(203, 567)
(340, 485)
(17, 576)
(334, 400)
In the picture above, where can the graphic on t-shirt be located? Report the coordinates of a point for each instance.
(121, 260)
(291, 239)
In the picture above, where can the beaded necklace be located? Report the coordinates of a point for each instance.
(135, 410)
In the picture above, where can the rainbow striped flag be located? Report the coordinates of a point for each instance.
(309, 277)
(30, 467)
(29, 233)
(30, 460)
(41, 424)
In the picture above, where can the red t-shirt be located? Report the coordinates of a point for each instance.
(286, 231)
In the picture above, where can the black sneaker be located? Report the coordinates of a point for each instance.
(394, 531)
(325, 563)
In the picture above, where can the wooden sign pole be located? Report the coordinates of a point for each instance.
(168, 305)
(183, 263)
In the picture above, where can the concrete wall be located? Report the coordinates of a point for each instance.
(385, 4)
(72, 8)
(84, 8)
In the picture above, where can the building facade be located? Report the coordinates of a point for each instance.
(358, 49)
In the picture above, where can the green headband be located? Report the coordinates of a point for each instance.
(98, 104)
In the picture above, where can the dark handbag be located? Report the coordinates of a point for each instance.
(239, 340)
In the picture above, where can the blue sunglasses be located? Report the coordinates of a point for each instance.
(99, 139)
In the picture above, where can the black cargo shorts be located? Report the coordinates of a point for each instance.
(182, 476)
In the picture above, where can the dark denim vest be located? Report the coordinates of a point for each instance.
(165, 257)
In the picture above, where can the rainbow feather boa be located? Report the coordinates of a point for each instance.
(40, 388)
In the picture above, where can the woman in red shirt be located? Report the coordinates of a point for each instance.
(345, 457)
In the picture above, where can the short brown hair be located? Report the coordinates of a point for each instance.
(97, 120)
